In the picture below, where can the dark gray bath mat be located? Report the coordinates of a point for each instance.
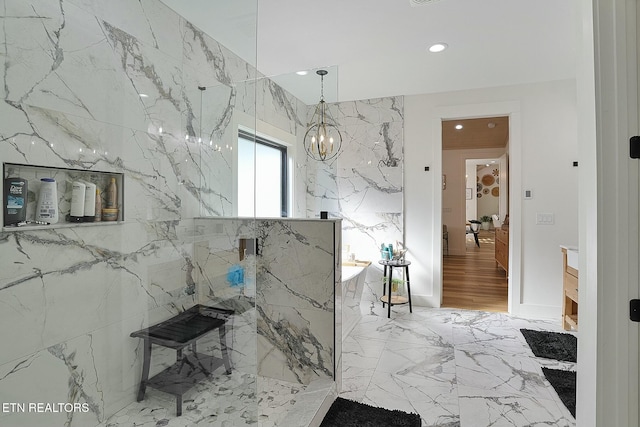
(348, 413)
(564, 382)
(552, 345)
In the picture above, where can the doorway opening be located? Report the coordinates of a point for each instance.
(474, 209)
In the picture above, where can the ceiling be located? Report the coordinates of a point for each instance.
(379, 47)
(490, 132)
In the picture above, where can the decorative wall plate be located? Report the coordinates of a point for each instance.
(495, 191)
(479, 187)
(479, 195)
(485, 190)
(488, 180)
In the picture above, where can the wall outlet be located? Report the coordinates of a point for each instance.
(528, 194)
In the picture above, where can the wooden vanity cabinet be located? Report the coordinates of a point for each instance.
(502, 248)
(569, 294)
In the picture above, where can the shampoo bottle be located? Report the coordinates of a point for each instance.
(98, 206)
(47, 208)
(89, 202)
(77, 201)
(112, 194)
(15, 207)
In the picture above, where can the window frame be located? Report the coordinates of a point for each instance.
(284, 170)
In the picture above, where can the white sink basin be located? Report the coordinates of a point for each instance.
(572, 258)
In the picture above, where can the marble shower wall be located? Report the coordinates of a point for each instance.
(364, 185)
(291, 285)
(260, 102)
(72, 76)
(369, 174)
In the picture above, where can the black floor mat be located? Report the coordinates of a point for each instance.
(348, 413)
(564, 382)
(552, 345)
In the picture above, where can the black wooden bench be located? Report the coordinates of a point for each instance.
(177, 333)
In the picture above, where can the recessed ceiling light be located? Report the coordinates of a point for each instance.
(143, 95)
(302, 73)
(491, 125)
(459, 126)
(438, 47)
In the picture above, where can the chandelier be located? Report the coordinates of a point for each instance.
(323, 139)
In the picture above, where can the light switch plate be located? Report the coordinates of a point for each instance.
(545, 218)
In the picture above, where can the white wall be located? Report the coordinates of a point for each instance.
(543, 145)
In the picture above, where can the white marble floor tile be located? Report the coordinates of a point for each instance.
(433, 365)
(421, 331)
(220, 400)
(481, 407)
(361, 352)
(437, 403)
(275, 399)
(480, 372)
(453, 367)
(501, 338)
(225, 400)
(374, 327)
(490, 370)
(355, 382)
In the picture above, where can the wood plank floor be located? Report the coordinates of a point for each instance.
(474, 281)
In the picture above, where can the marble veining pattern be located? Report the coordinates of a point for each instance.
(294, 287)
(364, 184)
(453, 367)
(72, 81)
(229, 400)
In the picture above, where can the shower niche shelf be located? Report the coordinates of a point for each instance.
(64, 179)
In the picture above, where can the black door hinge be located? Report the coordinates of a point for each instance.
(634, 147)
(634, 310)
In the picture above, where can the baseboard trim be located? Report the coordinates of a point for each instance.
(424, 301)
(529, 311)
(543, 312)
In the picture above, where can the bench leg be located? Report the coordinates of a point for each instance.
(408, 288)
(145, 369)
(223, 348)
(178, 406)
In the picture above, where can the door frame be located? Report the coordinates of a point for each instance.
(510, 109)
(608, 343)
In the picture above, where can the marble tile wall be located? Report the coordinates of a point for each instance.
(291, 285)
(72, 76)
(259, 100)
(364, 185)
(369, 174)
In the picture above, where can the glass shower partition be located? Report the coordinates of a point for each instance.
(96, 314)
(279, 275)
